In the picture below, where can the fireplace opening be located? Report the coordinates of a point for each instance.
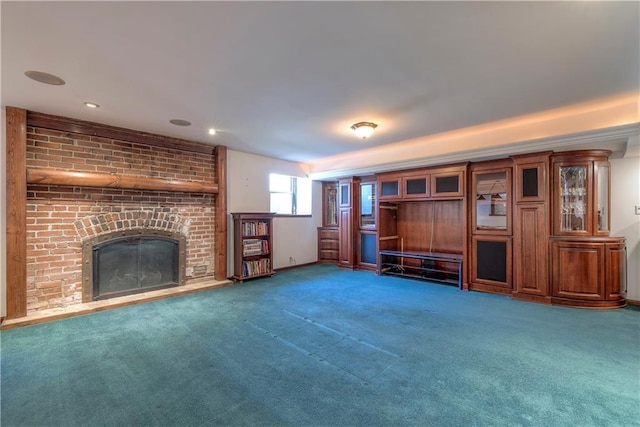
(132, 263)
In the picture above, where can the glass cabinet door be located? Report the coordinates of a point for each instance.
(367, 205)
(602, 199)
(573, 203)
(492, 202)
(331, 206)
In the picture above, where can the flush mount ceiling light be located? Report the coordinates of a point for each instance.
(364, 129)
(180, 122)
(91, 104)
(46, 78)
(212, 131)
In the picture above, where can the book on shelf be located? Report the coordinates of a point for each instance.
(255, 228)
(255, 247)
(253, 268)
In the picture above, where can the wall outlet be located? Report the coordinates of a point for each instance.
(292, 260)
(637, 209)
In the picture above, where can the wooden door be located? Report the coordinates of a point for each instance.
(530, 249)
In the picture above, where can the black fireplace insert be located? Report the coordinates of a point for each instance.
(132, 264)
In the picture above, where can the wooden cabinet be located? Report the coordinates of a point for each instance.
(389, 187)
(330, 204)
(329, 233)
(448, 182)
(422, 216)
(366, 254)
(581, 193)
(531, 266)
(415, 186)
(588, 268)
(531, 227)
(491, 263)
(491, 204)
(422, 184)
(328, 245)
(345, 222)
(252, 238)
(588, 272)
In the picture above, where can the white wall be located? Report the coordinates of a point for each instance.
(248, 191)
(625, 195)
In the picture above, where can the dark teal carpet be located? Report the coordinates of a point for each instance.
(322, 346)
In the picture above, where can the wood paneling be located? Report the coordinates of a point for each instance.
(16, 127)
(588, 271)
(531, 254)
(487, 265)
(578, 270)
(221, 224)
(346, 238)
(616, 274)
(328, 245)
(100, 180)
(431, 226)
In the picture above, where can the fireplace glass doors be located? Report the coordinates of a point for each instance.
(133, 264)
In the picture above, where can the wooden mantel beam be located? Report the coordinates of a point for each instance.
(89, 179)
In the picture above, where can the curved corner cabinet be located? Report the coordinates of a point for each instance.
(588, 268)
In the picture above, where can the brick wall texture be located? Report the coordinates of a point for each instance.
(61, 218)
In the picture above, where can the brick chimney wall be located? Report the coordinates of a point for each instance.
(61, 218)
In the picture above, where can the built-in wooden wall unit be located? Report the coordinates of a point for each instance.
(423, 211)
(534, 226)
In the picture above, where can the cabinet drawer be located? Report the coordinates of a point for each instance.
(332, 244)
(328, 234)
(328, 255)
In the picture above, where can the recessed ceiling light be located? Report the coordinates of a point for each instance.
(45, 78)
(91, 104)
(212, 131)
(180, 122)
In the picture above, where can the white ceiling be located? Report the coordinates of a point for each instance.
(287, 79)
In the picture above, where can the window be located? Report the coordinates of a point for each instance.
(290, 195)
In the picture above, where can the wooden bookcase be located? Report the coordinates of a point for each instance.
(252, 245)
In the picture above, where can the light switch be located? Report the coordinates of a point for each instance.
(637, 209)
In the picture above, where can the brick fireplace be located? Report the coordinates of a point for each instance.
(82, 185)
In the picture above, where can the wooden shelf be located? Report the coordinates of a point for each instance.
(431, 266)
(252, 233)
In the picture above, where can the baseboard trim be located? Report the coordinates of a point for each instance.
(633, 302)
(289, 267)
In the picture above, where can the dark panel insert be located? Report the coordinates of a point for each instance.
(368, 248)
(447, 184)
(492, 260)
(389, 188)
(417, 186)
(344, 194)
(530, 182)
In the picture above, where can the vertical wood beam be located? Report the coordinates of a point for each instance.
(16, 127)
(221, 222)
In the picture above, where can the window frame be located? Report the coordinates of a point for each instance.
(294, 193)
